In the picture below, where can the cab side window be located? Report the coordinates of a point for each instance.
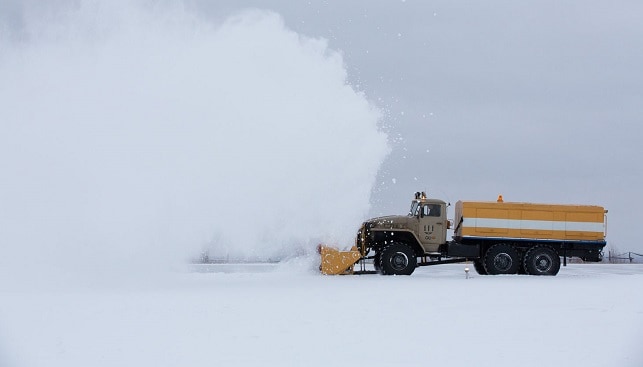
(432, 210)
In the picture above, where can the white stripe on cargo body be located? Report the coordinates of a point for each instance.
(538, 225)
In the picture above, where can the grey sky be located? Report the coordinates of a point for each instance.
(538, 101)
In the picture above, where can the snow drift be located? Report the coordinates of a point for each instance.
(136, 133)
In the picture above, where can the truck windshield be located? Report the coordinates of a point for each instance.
(414, 208)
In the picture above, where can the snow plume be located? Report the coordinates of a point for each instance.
(136, 135)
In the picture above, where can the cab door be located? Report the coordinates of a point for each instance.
(432, 231)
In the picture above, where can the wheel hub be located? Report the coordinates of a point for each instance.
(543, 262)
(502, 261)
(399, 261)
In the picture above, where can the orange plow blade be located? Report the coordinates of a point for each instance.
(335, 262)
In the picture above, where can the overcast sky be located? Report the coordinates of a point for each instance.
(538, 101)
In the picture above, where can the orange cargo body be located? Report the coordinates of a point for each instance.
(552, 222)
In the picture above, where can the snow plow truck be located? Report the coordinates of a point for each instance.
(498, 237)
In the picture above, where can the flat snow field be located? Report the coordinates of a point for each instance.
(588, 315)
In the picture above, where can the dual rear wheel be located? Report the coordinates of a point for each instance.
(505, 259)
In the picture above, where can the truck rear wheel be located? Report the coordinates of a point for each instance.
(501, 259)
(542, 260)
(398, 259)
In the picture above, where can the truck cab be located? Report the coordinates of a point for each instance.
(432, 224)
(423, 229)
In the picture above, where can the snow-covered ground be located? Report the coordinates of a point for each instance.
(282, 315)
(135, 136)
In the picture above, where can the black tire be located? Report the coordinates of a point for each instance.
(479, 266)
(542, 260)
(501, 259)
(398, 259)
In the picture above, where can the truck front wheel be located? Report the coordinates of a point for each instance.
(501, 259)
(398, 259)
(542, 260)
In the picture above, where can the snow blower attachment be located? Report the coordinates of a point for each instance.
(334, 262)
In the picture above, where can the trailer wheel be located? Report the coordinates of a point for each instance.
(542, 260)
(501, 259)
(479, 266)
(398, 259)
